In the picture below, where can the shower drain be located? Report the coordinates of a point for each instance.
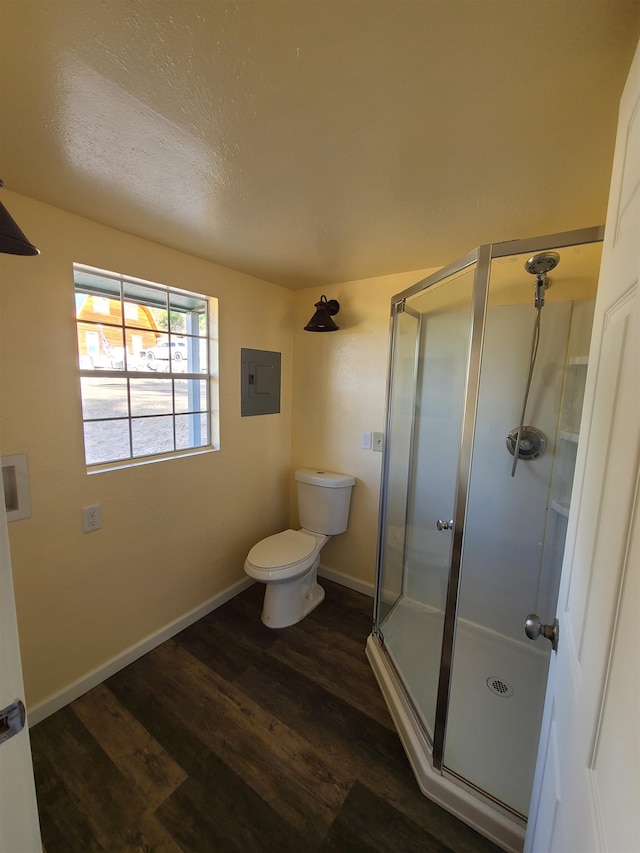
(499, 687)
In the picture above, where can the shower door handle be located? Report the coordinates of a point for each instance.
(444, 525)
(533, 627)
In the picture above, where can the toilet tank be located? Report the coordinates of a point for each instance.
(323, 500)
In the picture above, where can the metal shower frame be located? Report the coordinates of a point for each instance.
(481, 257)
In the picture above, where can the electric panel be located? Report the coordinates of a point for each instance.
(260, 382)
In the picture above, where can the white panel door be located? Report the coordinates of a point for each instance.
(586, 793)
(19, 828)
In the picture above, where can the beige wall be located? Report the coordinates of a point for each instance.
(175, 533)
(339, 391)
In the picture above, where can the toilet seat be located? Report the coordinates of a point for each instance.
(282, 555)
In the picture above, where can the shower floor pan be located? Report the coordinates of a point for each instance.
(494, 716)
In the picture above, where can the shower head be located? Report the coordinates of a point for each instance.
(539, 265)
(542, 263)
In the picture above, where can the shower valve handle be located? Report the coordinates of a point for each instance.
(444, 525)
(533, 627)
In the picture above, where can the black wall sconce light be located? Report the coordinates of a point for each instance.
(12, 240)
(321, 320)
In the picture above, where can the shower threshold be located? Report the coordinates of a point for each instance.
(501, 825)
(495, 688)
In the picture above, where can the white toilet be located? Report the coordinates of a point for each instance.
(288, 562)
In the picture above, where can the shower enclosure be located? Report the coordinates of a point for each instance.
(486, 377)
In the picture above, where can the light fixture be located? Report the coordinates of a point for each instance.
(12, 240)
(321, 320)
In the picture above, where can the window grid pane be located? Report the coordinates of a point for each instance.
(151, 436)
(106, 441)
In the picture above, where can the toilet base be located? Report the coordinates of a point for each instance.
(290, 601)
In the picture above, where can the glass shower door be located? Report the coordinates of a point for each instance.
(402, 400)
(430, 358)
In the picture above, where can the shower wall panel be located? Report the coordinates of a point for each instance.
(565, 458)
(506, 516)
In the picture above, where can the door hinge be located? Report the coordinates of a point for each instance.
(12, 720)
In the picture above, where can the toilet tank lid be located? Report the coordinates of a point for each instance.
(324, 478)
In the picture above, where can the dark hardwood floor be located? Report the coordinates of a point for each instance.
(235, 737)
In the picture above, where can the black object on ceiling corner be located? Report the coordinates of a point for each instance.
(12, 240)
(322, 319)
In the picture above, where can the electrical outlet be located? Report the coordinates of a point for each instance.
(91, 518)
(365, 441)
(378, 441)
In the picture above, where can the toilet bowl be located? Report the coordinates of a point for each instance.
(287, 562)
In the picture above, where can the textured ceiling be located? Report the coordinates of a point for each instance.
(315, 141)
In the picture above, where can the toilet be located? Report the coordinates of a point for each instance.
(287, 563)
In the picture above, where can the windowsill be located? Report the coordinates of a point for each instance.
(149, 460)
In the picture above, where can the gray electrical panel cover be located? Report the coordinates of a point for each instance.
(260, 382)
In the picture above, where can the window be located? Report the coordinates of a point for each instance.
(148, 359)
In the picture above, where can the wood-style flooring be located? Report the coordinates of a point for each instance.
(235, 737)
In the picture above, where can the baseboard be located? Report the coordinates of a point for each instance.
(346, 580)
(49, 706)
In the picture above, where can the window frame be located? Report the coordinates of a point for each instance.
(201, 383)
